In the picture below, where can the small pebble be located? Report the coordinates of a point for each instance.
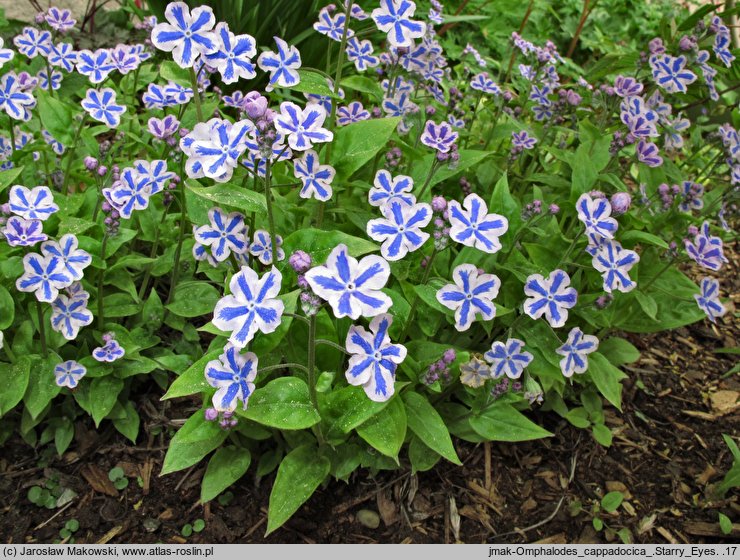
(150, 524)
(368, 518)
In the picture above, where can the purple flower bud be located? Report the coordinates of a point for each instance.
(687, 43)
(376, 112)
(102, 170)
(91, 164)
(656, 46)
(573, 98)
(508, 96)
(108, 221)
(183, 131)
(663, 189)
(300, 261)
(430, 110)
(554, 208)
(39, 18)
(255, 104)
(210, 414)
(597, 194)
(693, 230)
(675, 189)
(302, 282)
(439, 204)
(108, 337)
(5, 208)
(114, 214)
(621, 203)
(449, 355)
(106, 207)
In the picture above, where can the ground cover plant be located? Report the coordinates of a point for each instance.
(350, 266)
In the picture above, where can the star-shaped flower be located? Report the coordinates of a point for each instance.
(131, 192)
(394, 18)
(596, 216)
(109, 352)
(575, 352)
(400, 228)
(648, 153)
(551, 297)
(155, 172)
(68, 374)
(155, 98)
(224, 234)
(472, 294)
(95, 65)
(60, 20)
(281, 65)
(671, 74)
(440, 137)
(352, 288)
(387, 188)
(614, 263)
(508, 358)
(251, 306)
(56, 79)
(74, 260)
(522, 140)
(43, 275)
(214, 148)
(233, 375)
(303, 127)
(374, 358)
(6, 55)
(481, 82)
(69, 315)
(708, 300)
(187, 34)
(706, 249)
(316, 178)
(261, 247)
(352, 113)
(124, 58)
(33, 42)
(233, 58)
(13, 100)
(23, 233)
(101, 106)
(32, 204)
(332, 26)
(475, 373)
(360, 52)
(177, 94)
(471, 224)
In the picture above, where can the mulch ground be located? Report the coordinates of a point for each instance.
(666, 458)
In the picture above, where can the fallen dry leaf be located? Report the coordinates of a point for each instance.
(723, 401)
(98, 480)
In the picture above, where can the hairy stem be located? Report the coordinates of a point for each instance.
(270, 217)
(415, 303)
(42, 330)
(71, 155)
(101, 276)
(180, 238)
(196, 95)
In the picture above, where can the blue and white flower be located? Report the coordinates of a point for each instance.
(23, 233)
(708, 300)
(648, 153)
(508, 358)
(671, 74)
(596, 216)
(187, 34)
(261, 247)
(332, 26)
(374, 358)
(74, 260)
(164, 128)
(69, 315)
(6, 55)
(302, 127)
(68, 374)
(43, 275)
(387, 189)
(360, 52)
(394, 18)
(155, 97)
(706, 249)
(124, 58)
(551, 297)
(13, 100)
(233, 375)
(177, 94)
(282, 65)
(155, 172)
(56, 79)
(77, 291)
(471, 224)
(233, 58)
(316, 178)
(60, 20)
(614, 264)
(131, 192)
(101, 106)
(352, 113)
(63, 55)
(399, 229)
(33, 42)
(97, 65)
(32, 204)
(214, 148)
(440, 137)
(352, 288)
(575, 352)
(251, 306)
(109, 352)
(483, 83)
(225, 234)
(472, 294)
(721, 48)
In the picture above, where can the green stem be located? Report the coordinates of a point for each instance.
(270, 217)
(658, 275)
(296, 316)
(48, 81)
(180, 239)
(71, 154)
(415, 303)
(289, 365)
(432, 169)
(472, 120)
(152, 254)
(332, 344)
(311, 373)
(9, 352)
(196, 95)
(12, 138)
(42, 330)
(101, 276)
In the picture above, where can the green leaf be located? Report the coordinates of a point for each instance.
(421, 456)
(312, 82)
(298, 477)
(386, 430)
(602, 434)
(468, 158)
(691, 20)
(196, 439)
(344, 409)
(319, 243)
(503, 422)
(41, 387)
(103, 395)
(643, 237)
(230, 195)
(725, 524)
(56, 117)
(611, 501)
(128, 426)
(607, 378)
(578, 417)
(619, 351)
(170, 71)
(193, 379)
(283, 403)
(428, 425)
(589, 159)
(503, 203)
(194, 299)
(15, 382)
(8, 177)
(7, 309)
(358, 143)
(363, 84)
(647, 303)
(227, 465)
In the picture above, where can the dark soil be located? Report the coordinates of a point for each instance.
(666, 457)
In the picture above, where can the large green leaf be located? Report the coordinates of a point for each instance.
(319, 243)
(41, 387)
(358, 143)
(231, 196)
(7, 308)
(502, 202)
(8, 177)
(103, 395)
(227, 465)
(196, 439)
(607, 378)
(344, 409)
(283, 403)
(56, 116)
(386, 430)
(15, 382)
(193, 299)
(298, 477)
(193, 379)
(503, 422)
(428, 425)
(312, 82)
